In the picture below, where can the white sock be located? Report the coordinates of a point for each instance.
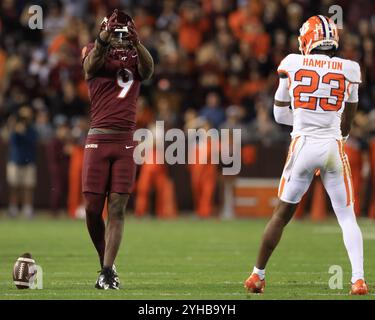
(352, 239)
(260, 272)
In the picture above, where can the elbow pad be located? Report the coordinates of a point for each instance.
(283, 115)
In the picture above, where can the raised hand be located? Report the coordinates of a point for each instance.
(132, 34)
(112, 22)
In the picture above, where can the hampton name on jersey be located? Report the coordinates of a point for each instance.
(318, 87)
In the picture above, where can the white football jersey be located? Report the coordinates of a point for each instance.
(318, 88)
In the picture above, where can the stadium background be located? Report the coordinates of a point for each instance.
(215, 66)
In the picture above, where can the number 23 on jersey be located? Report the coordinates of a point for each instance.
(330, 78)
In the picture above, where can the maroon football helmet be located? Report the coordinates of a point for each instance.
(123, 20)
(122, 26)
(121, 40)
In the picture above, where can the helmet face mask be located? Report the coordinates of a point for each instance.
(119, 40)
(318, 32)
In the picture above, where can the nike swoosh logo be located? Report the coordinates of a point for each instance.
(128, 147)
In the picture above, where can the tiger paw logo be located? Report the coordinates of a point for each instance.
(305, 27)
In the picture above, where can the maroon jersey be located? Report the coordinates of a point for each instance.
(114, 90)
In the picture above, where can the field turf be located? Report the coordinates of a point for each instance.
(181, 259)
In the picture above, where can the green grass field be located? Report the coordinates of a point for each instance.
(181, 259)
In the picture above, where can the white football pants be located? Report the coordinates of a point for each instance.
(308, 156)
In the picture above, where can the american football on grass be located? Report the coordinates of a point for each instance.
(24, 271)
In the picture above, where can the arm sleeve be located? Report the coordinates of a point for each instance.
(283, 115)
(282, 92)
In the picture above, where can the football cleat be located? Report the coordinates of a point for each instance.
(254, 285)
(108, 279)
(359, 288)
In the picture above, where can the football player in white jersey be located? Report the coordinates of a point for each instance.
(318, 96)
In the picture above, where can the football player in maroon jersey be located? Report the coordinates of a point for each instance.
(114, 67)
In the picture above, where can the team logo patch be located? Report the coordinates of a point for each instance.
(91, 146)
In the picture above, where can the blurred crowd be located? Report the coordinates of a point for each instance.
(215, 66)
